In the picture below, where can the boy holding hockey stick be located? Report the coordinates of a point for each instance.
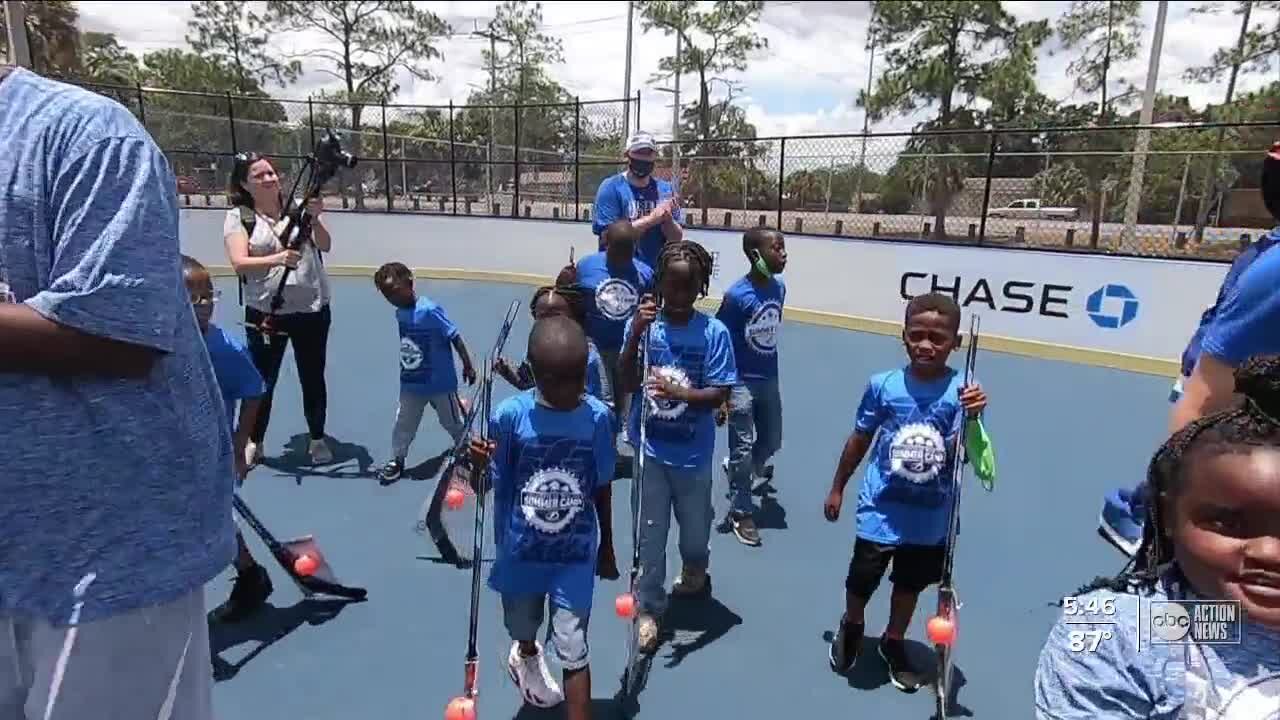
(908, 419)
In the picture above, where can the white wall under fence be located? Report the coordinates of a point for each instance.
(1127, 313)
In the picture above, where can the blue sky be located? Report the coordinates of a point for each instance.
(805, 82)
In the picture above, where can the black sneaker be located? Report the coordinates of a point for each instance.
(391, 472)
(901, 673)
(845, 646)
(744, 527)
(249, 593)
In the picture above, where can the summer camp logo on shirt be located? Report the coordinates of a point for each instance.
(762, 329)
(410, 354)
(668, 409)
(551, 499)
(616, 299)
(917, 452)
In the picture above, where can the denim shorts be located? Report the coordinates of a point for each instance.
(566, 633)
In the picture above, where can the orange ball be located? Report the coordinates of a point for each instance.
(305, 565)
(941, 630)
(454, 498)
(460, 708)
(625, 605)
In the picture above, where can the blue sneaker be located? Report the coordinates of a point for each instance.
(1123, 515)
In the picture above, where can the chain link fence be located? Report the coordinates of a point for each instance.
(1173, 190)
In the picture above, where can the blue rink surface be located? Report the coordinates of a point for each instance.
(1064, 434)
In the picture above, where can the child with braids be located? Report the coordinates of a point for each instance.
(1212, 532)
(691, 370)
(569, 301)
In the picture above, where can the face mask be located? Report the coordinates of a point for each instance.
(761, 266)
(641, 168)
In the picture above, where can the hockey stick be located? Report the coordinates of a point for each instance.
(947, 618)
(314, 576)
(632, 671)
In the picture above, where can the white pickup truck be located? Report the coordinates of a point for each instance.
(1031, 209)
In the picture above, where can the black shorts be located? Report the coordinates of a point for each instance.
(915, 567)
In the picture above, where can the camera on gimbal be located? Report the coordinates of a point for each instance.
(330, 155)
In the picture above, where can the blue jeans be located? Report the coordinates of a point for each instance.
(663, 491)
(755, 434)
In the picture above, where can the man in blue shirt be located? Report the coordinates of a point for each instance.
(649, 203)
(1242, 322)
(752, 311)
(116, 468)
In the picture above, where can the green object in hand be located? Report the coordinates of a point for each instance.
(982, 455)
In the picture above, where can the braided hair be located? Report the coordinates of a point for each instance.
(572, 293)
(1251, 423)
(686, 251)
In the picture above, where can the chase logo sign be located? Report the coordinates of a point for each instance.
(1112, 306)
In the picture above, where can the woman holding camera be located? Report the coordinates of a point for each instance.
(258, 254)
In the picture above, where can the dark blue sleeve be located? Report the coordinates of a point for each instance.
(247, 380)
(870, 409)
(607, 207)
(446, 325)
(721, 369)
(606, 450)
(1246, 323)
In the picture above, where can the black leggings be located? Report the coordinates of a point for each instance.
(310, 335)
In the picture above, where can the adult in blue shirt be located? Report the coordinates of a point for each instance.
(116, 467)
(1243, 321)
(649, 203)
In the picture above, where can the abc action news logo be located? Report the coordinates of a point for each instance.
(1207, 622)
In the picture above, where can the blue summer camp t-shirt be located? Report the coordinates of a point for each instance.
(1242, 262)
(238, 378)
(612, 296)
(1246, 324)
(698, 354)
(904, 496)
(1083, 676)
(617, 199)
(753, 316)
(546, 470)
(426, 349)
(118, 487)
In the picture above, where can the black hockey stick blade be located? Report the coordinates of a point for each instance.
(321, 581)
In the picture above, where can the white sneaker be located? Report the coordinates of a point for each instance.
(252, 454)
(320, 452)
(647, 634)
(533, 678)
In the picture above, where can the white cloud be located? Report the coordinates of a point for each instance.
(805, 82)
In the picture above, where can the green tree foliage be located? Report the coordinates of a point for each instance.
(229, 31)
(105, 60)
(53, 36)
(944, 56)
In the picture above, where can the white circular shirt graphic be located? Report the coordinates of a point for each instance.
(668, 409)
(410, 354)
(616, 299)
(762, 329)
(917, 452)
(551, 499)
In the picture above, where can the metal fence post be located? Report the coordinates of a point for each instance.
(231, 119)
(637, 113)
(142, 105)
(577, 155)
(986, 190)
(386, 160)
(453, 161)
(515, 198)
(311, 120)
(782, 171)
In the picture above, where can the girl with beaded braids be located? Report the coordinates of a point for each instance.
(1212, 532)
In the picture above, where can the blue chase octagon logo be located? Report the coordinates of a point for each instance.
(1112, 306)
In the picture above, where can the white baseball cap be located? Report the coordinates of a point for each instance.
(641, 140)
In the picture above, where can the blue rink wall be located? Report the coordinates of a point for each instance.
(1125, 313)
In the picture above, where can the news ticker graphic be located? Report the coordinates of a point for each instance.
(1096, 620)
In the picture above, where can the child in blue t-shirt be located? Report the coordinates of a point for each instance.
(239, 382)
(908, 419)
(752, 311)
(551, 458)
(1212, 533)
(691, 370)
(427, 373)
(615, 280)
(566, 300)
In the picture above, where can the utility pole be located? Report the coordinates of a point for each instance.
(1144, 136)
(675, 117)
(626, 80)
(493, 39)
(861, 170)
(16, 22)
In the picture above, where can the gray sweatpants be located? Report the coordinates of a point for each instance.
(151, 663)
(409, 416)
